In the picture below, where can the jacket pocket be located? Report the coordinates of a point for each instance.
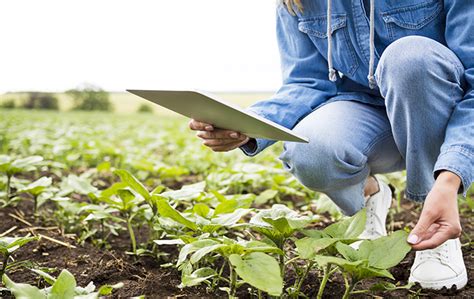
(419, 19)
(343, 54)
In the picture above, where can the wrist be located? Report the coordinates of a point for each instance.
(448, 179)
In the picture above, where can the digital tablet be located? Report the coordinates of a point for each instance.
(208, 108)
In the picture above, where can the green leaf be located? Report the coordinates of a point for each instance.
(168, 211)
(202, 252)
(265, 196)
(347, 251)
(198, 276)
(259, 270)
(9, 244)
(187, 192)
(38, 186)
(358, 269)
(128, 199)
(133, 183)
(349, 228)
(226, 206)
(108, 289)
(192, 247)
(385, 252)
(64, 287)
(281, 218)
(201, 210)
(22, 290)
(230, 219)
(309, 247)
(76, 184)
(112, 190)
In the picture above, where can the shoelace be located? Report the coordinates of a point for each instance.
(440, 253)
(371, 218)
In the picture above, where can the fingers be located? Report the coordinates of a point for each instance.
(437, 239)
(427, 218)
(220, 134)
(229, 146)
(200, 126)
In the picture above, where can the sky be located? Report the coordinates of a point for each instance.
(214, 45)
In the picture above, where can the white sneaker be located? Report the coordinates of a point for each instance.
(440, 267)
(377, 206)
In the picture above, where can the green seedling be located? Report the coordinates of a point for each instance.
(129, 206)
(64, 286)
(102, 216)
(324, 241)
(278, 224)
(10, 167)
(372, 259)
(8, 246)
(249, 260)
(38, 189)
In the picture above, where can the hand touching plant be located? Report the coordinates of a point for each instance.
(439, 220)
(218, 140)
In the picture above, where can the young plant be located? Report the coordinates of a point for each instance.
(129, 206)
(249, 260)
(64, 286)
(278, 224)
(372, 259)
(37, 189)
(10, 167)
(323, 242)
(8, 246)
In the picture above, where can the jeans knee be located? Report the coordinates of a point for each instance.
(403, 61)
(414, 62)
(324, 165)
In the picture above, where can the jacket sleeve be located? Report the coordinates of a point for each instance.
(305, 81)
(457, 151)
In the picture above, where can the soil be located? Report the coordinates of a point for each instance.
(146, 276)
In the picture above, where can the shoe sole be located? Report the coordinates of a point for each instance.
(459, 281)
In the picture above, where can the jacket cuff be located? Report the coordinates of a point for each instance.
(253, 148)
(460, 161)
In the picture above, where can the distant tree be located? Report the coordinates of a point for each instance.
(8, 104)
(41, 100)
(90, 98)
(144, 108)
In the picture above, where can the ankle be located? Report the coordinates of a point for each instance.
(371, 187)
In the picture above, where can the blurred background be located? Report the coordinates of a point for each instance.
(82, 55)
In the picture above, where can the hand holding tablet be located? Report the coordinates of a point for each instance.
(223, 117)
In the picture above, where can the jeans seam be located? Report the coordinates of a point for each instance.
(368, 149)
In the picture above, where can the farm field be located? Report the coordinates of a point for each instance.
(127, 103)
(135, 204)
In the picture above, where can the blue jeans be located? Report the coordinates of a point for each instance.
(421, 81)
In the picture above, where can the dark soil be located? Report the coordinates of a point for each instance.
(145, 276)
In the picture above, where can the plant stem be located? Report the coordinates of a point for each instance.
(9, 178)
(322, 286)
(233, 280)
(132, 235)
(35, 207)
(4, 264)
(303, 277)
(349, 286)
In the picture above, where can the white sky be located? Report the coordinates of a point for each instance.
(215, 45)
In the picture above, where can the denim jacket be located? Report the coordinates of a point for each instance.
(303, 45)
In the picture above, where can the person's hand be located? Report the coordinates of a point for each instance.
(439, 219)
(218, 140)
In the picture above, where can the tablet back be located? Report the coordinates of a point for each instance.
(207, 108)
